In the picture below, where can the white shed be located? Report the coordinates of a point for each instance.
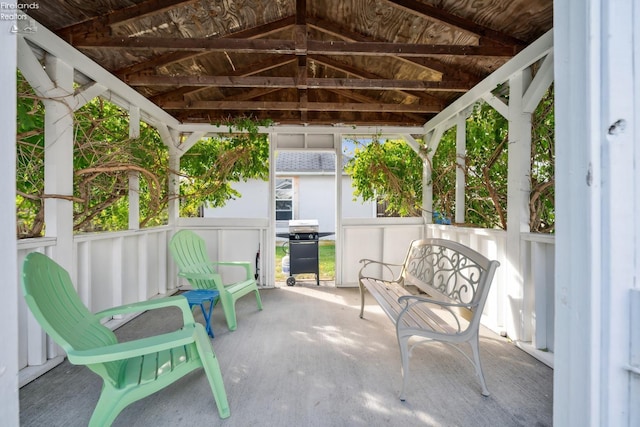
(305, 189)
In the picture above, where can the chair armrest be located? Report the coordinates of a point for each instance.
(246, 265)
(129, 349)
(177, 301)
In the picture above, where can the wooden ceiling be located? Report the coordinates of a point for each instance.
(351, 62)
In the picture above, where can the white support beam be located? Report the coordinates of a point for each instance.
(134, 177)
(497, 104)
(518, 190)
(119, 92)
(339, 209)
(58, 161)
(174, 185)
(9, 393)
(461, 155)
(191, 140)
(522, 60)
(539, 85)
(134, 200)
(134, 122)
(427, 192)
(578, 394)
(85, 94)
(411, 141)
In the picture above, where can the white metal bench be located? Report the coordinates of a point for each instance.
(456, 280)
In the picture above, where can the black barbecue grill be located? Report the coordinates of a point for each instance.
(303, 249)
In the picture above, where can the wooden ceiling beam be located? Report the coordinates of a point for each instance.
(367, 99)
(254, 68)
(298, 106)
(431, 12)
(289, 47)
(331, 63)
(430, 63)
(294, 82)
(169, 58)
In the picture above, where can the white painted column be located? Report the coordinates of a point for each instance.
(598, 197)
(269, 251)
(134, 177)
(337, 143)
(174, 186)
(461, 154)
(518, 190)
(58, 163)
(427, 191)
(9, 396)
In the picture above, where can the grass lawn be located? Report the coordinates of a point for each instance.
(327, 255)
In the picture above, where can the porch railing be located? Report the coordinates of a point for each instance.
(122, 267)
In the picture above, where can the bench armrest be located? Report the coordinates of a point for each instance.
(412, 300)
(386, 266)
(129, 349)
(175, 301)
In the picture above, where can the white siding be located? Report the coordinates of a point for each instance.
(254, 202)
(315, 198)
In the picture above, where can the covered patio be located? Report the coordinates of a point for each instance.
(567, 300)
(308, 359)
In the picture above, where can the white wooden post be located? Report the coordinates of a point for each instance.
(9, 396)
(597, 193)
(134, 177)
(337, 144)
(461, 154)
(269, 251)
(518, 189)
(58, 162)
(174, 179)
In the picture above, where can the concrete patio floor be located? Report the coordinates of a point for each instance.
(307, 359)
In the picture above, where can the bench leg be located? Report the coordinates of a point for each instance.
(361, 300)
(403, 342)
(475, 348)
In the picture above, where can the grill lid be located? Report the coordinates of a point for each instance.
(303, 226)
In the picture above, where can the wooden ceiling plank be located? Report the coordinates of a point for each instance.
(101, 24)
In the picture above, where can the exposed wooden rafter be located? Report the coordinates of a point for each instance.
(292, 47)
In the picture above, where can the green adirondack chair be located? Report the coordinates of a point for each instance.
(190, 253)
(130, 370)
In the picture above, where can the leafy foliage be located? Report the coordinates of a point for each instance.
(485, 167)
(209, 167)
(105, 157)
(389, 172)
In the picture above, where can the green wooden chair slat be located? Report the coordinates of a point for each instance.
(130, 370)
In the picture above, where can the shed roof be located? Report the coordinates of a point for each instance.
(307, 162)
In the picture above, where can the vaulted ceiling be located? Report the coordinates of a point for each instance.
(351, 62)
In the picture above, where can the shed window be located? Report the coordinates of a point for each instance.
(284, 199)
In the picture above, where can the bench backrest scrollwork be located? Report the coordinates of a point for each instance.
(455, 272)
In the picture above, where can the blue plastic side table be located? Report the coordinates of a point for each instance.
(200, 297)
